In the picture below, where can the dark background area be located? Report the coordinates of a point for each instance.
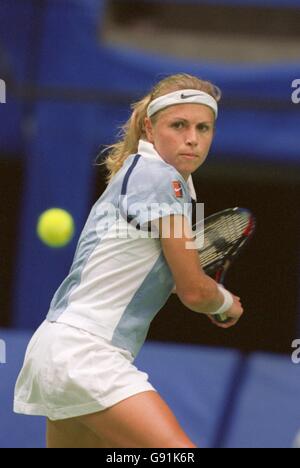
(263, 21)
(11, 184)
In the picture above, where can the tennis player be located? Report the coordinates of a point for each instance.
(79, 367)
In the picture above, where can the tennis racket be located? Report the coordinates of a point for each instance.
(225, 234)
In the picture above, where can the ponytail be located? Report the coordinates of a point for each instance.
(131, 132)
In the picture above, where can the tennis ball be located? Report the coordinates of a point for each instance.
(55, 227)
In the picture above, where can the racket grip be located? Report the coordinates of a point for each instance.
(222, 318)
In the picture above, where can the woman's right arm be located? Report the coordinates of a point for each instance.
(195, 289)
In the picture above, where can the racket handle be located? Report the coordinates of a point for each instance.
(222, 318)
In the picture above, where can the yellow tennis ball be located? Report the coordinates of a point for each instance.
(55, 227)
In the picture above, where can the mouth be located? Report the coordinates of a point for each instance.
(189, 155)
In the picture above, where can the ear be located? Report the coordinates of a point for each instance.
(149, 130)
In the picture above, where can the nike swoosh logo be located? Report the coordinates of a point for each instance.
(184, 96)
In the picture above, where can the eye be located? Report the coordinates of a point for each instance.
(178, 125)
(203, 127)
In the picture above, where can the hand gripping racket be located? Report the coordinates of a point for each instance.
(225, 234)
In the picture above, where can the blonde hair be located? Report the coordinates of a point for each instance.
(134, 130)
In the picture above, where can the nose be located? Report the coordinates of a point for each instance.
(191, 137)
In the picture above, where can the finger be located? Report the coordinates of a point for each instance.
(226, 325)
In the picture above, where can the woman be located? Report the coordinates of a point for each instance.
(78, 369)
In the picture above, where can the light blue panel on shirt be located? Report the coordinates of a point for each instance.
(152, 295)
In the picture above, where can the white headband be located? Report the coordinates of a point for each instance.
(184, 96)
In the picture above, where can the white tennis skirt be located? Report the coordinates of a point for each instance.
(69, 372)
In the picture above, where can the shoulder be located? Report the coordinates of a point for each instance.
(155, 175)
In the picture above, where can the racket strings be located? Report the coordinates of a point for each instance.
(221, 235)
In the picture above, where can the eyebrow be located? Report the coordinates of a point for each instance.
(187, 121)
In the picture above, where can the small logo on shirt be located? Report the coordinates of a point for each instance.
(177, 189)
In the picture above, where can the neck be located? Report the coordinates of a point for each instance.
(185, 176)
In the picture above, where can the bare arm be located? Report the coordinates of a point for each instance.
(196, 290)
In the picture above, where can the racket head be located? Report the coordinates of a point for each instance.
(221, 237)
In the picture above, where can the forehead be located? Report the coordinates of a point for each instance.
(192, 112)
